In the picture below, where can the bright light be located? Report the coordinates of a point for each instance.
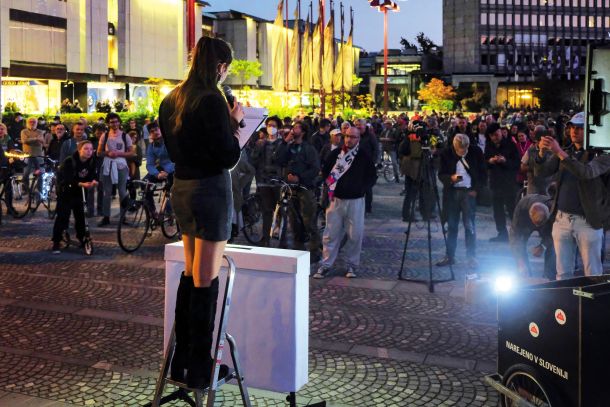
(504, 284)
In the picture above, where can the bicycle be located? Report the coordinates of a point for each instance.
(140, 218)
(386, 169)
(15, 196)
(252, 215)
(43, 188)
(283, 232)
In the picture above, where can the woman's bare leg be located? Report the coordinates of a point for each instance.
(207, 261)
(189, 254)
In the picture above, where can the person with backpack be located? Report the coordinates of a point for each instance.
(115, 148)
(76, 172)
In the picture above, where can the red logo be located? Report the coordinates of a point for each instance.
(560, 317)
(534, 330)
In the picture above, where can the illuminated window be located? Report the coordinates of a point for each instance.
(591, 22)
(500, 19)
(509, 19)
(534, 20)
(483, 18)
(492, 18)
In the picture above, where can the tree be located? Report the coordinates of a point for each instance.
(154, 94)
(407, 45)
(426, 45)
(243, 70)
(436, 94)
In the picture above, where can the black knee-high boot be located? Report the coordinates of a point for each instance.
(201, 328)
(181, 352)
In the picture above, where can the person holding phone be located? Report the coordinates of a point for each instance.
(462, 172)
(201, 136)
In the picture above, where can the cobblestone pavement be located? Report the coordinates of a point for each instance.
(88, 330)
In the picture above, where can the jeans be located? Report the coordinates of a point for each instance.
(394, 160)
(270, 195)
(107, 181)
(459, 201)
(33, 164)
(571, 232)
(343, 216)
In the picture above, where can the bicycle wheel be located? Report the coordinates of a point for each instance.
(51, 201)
(280, 238)
(35, 200)
(20, 199)
(388, 172)
(253, 219)
(526, 382)
(133, 227)
(169, 224)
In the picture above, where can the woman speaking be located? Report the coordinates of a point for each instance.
(200, 132)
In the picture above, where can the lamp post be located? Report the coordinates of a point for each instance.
(384, 6)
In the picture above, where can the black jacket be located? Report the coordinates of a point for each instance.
(474, 159)
(301, 160)
(505, 174)
(368, 143)
(263, 159)
(319, 140)
(72, 171)
(593, 173)
(206, 145)
(357, 180)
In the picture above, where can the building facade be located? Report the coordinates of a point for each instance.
(510, 46)
(88, 50)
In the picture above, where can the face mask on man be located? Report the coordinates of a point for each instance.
(272, 131)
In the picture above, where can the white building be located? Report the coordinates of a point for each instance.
(88, 50)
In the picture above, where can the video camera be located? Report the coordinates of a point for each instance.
(422, 132)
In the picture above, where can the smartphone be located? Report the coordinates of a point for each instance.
(460, 178)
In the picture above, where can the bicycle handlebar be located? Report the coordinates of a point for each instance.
(286, 184)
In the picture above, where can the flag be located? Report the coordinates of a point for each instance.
(317, 58)
(279, 50)
(348, 62)
(549, 65)
(293, 67)
(338, 76)
(568, 62)
(306, 56)
(576, 67)
(329, 53)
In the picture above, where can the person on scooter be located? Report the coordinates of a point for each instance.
(76, 172)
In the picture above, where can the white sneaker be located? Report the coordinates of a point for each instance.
(321, 273)
(350, 273)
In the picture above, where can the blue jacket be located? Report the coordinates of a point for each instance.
(158, 157)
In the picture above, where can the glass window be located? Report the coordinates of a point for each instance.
(534, 20)
(509, 19)
(551, 20)
(517, 19)
(500, 19)
(492, 18)
(591, 22)
(526, 2)
(526, 19)
(566, 21)
(483, 18)
(542, 20)
(598, 22)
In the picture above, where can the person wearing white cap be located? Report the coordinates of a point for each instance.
(582, 201)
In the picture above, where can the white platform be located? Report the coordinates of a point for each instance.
(269, 315)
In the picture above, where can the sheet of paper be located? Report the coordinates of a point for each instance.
(255, 116)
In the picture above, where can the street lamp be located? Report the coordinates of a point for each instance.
(384, 6)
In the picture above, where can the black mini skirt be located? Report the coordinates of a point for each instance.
(203, 207)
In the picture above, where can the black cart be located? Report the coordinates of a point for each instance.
(554, 344)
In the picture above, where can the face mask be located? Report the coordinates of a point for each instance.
(272, 130)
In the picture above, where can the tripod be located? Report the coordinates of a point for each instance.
(425, 179)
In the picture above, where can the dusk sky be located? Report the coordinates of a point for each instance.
(415, 16)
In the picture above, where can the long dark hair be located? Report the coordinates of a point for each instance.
(202, 78)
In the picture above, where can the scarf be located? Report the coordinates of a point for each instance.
(343, 164)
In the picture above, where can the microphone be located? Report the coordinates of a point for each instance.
(231, 99)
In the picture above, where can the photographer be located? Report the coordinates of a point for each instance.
(411, 152)
(581, 204)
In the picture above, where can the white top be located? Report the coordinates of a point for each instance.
(466, 181)
(115, 143)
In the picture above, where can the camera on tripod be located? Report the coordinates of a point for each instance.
(422, 133)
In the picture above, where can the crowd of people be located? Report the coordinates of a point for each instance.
(490, 159)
